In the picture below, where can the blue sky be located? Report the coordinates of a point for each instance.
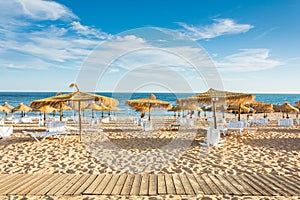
(254, 44)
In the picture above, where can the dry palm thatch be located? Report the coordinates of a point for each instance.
(150, 102)
(21, 108)
(262, 107)
(287, 108)
(220, 96)
(223, 96)
(8, 106)
(236, 108)
(4, 109)
(45, 109)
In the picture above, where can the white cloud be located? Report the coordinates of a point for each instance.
(46, 32)
(248, 60)
(35, 9)
(218, 28)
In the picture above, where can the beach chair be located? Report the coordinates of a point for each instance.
(40, 137)
(5, 131)
(236, 126)
(213, 138)
(285, 122)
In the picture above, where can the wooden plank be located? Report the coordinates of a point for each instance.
(67, 186)
(178, 185)
(288, 187)
(170, 184)
(76, 185)
(153, 184)
(11, 186)
(100, 188)
(127, 185)
(11, 179)
(204, 187)
(144, 185)
(211, 185)
(90, 189)
(135, 188)
(53, 183)
(111, 184)
(89, 181)
(219, 184)
(22, 184)
(289, 180)
(38, 190)
(119, 185)
(186, 184)
(254, 185)
(4, 177)
(230, 188)
(161, 184)
(238, 186)
(60, 184)
(266, 188)
(196, 187)
(26, 189)
(245, 185)
(265, 181)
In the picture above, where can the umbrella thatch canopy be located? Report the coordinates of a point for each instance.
(236, 108)
(22, 108)
(10, 107)
(150, 102)
(214, 96)
(288, 108)
(95, 107)
(78, 96)
(45, 109)
(4, 109)
(228, 97)
(261, 107)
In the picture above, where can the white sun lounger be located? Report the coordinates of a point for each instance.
(40, 137)
(6, 131)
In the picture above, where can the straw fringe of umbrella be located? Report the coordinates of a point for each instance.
(150, 102)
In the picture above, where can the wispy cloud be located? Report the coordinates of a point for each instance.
(46, 33)
(218, 28)
(248, 60)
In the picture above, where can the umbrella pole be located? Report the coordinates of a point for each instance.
(215, 117)
(149, 111)
(60, 112)
(239, 113)
(92, 113)
(44, 118)
(80, 132)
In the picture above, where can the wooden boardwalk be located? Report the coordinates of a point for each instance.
(148, 184)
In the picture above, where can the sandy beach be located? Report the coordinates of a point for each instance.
(121, 147)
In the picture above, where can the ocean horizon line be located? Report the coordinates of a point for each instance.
(145, 92)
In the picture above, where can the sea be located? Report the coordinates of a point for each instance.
(15, 98)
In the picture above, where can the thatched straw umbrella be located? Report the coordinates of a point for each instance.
(45, 109)
(150, 102)
(213, 96)
(78, 97)
(4, 109)
(261, 107)
(288, 108)
(21, 108)
(95, 107)
(7, 106)
(236, 108)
